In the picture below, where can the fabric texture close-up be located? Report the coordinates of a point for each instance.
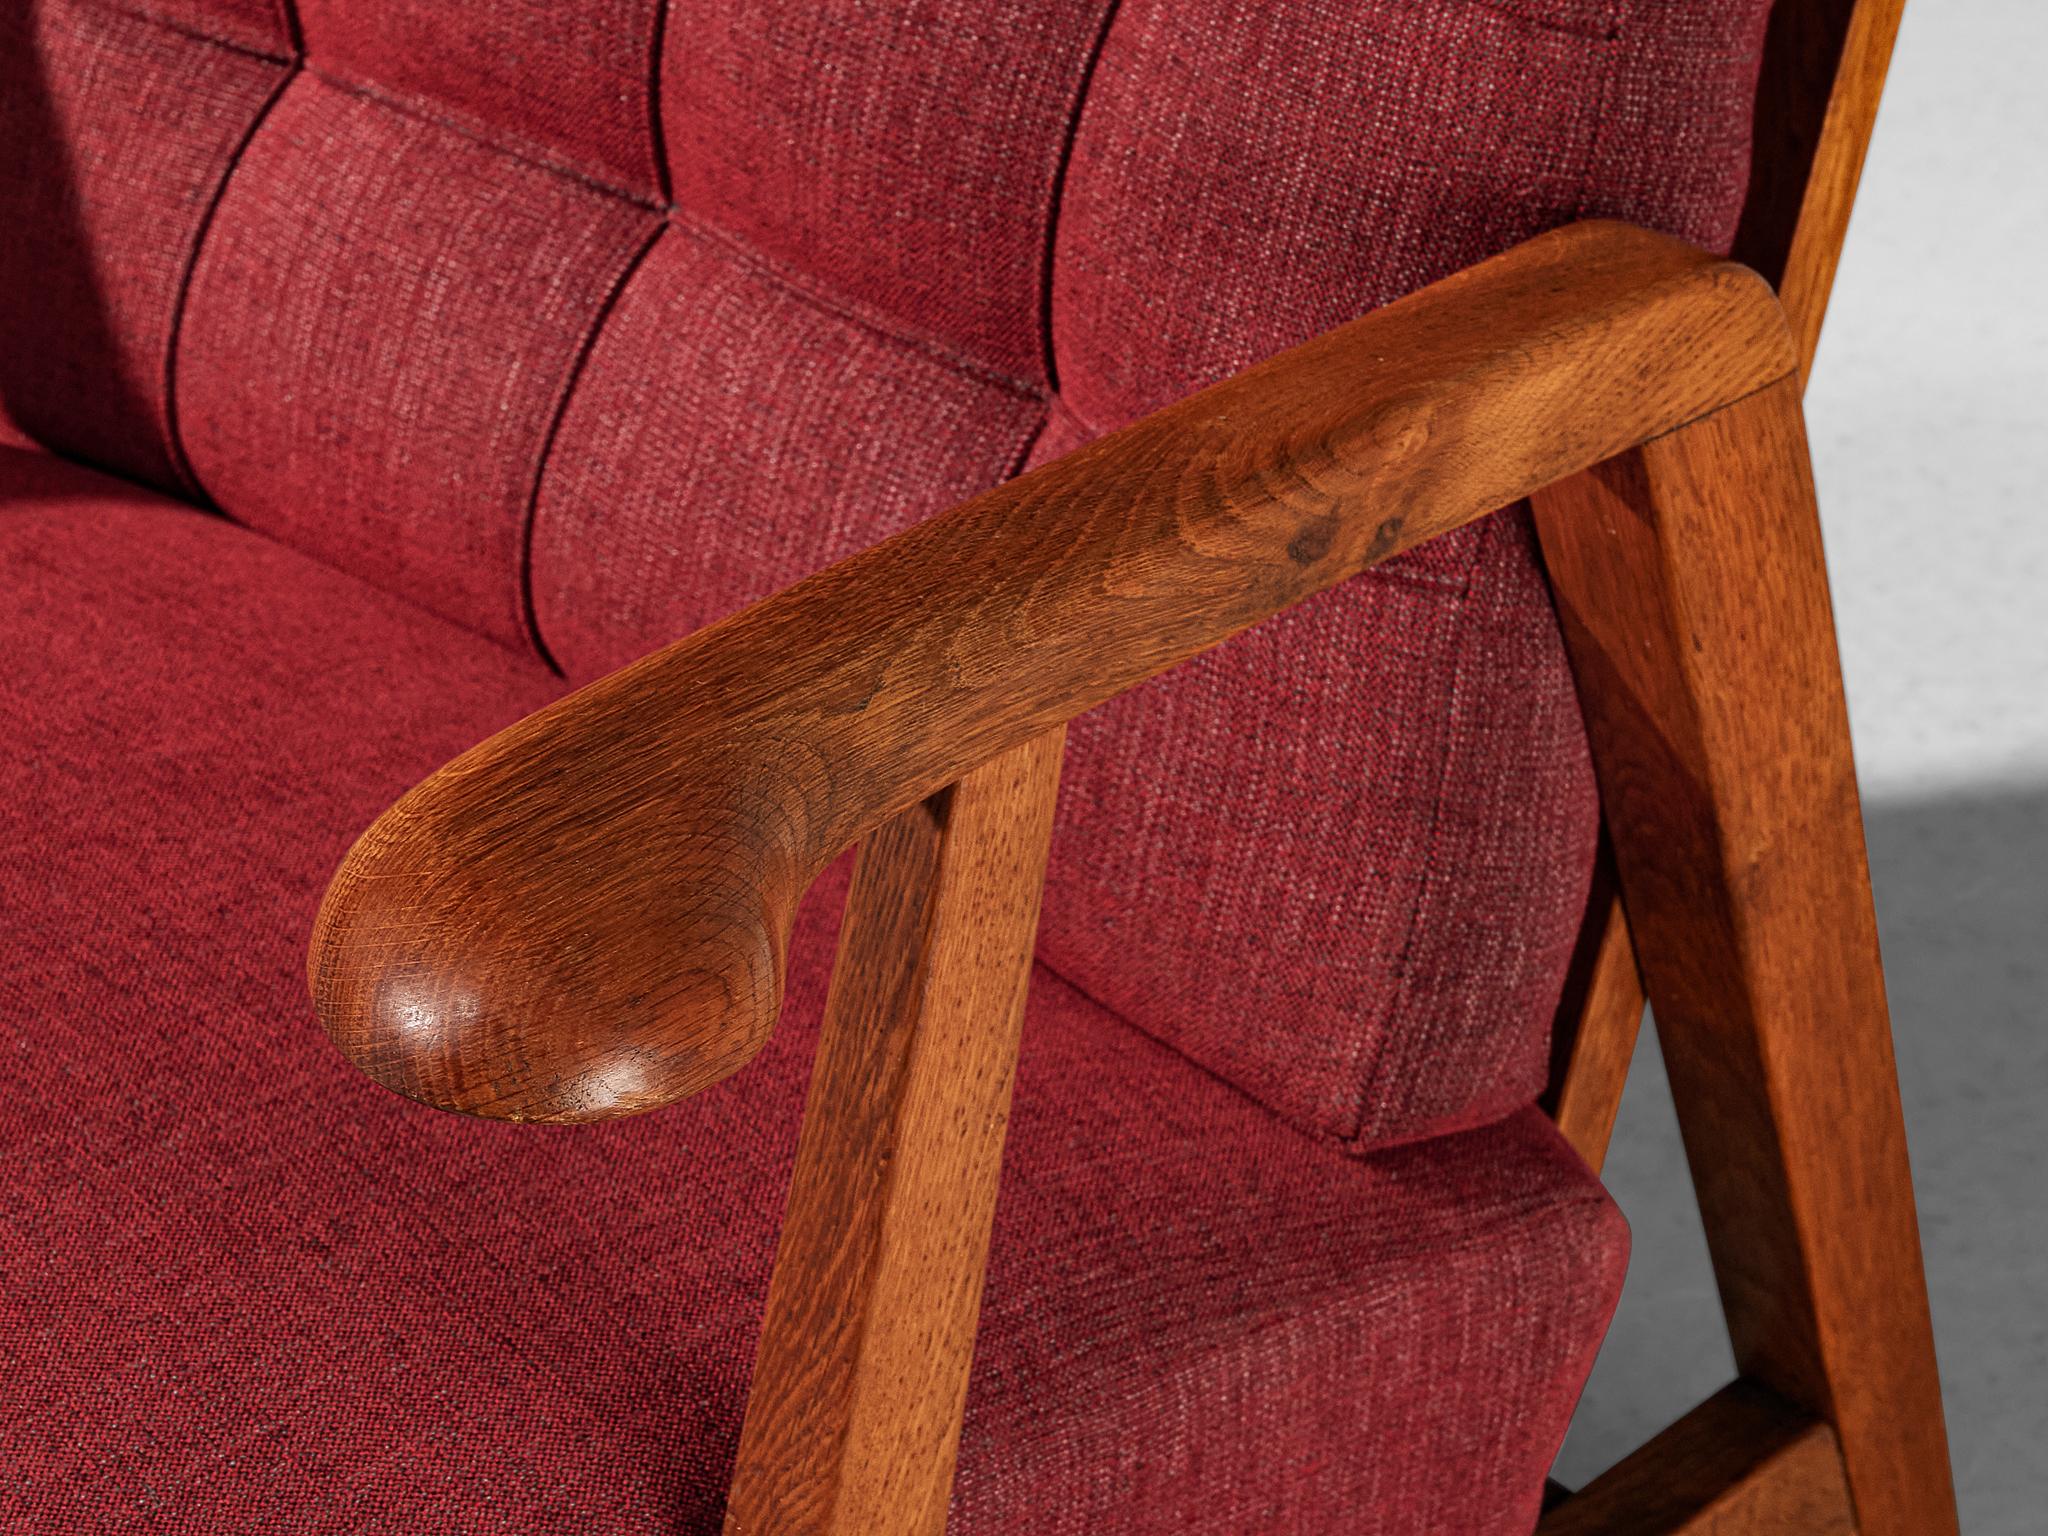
(382, 371)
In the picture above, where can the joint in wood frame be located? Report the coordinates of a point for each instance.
(864, 1355)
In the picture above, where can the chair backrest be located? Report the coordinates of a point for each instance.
(585, 324)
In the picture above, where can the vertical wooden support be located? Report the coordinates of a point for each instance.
(1823, 75)
(1693, 594)
(864, 1354)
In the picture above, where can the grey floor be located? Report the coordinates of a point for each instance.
(1929, 419)
(1963, 885)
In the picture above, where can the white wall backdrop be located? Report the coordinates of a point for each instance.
(1929, 410)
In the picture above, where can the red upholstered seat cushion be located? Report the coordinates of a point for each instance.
(242, 1289)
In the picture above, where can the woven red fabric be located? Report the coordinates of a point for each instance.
(256, 26)
(903, 158)
(569, 317)
(843, 329)
(567, 85)
(1245, 176)
(383, 324)
(115, 135)
(245, 1290)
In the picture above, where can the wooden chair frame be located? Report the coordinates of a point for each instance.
(587, 915)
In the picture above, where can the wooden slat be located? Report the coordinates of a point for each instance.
(1743, 1463)
(864, 1355)
(1599, 1018)
(1823, 76)
(1694, 602)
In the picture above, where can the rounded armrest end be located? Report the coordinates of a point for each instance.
(557, 956)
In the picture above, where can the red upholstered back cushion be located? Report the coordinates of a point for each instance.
(586, 323)
(1341, 860)
(117, 130)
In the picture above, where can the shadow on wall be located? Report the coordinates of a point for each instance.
(1962, 899)
(61, 360)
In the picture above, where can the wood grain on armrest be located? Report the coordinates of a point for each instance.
(586, 915)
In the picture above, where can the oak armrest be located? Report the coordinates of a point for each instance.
(586, 915)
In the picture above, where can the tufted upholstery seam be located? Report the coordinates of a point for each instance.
(574, 376)
(174, 441)
(185, 29)
(406, 107)
(1380, 1040)
(1049, 248)
(1603, 117)
(1020, 460)
(657, 134)
(841, 307)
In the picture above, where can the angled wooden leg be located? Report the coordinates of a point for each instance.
(1598, 1019)
(861, 1374)
(1694, 598)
